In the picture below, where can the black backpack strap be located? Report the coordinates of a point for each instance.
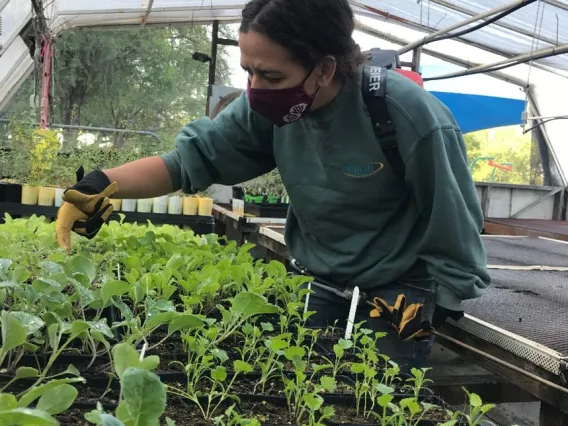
(374, 89)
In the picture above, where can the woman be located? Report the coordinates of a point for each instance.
(353, 221)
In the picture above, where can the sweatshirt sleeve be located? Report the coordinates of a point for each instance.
(452, 247)
(234, 147)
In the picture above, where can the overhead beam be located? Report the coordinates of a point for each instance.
(376, 14)
(510, 62)
(444, 57)
(500, 24)
(471, 20)
(556, 3)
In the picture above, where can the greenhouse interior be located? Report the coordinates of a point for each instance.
(262, 288)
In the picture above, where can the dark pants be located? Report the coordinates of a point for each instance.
(331, 308)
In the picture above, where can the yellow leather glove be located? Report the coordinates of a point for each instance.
(414, 321)
(85, 209)
(405, 319)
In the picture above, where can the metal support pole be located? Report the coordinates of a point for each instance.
(416, 57)
(213, 64)
(461, 24)
(506, 63)
(147, 13)
(535, 108)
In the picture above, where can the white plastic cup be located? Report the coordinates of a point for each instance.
(128, 205)
(160, 204)
(175, 205)
(145, 205)
(59, 196)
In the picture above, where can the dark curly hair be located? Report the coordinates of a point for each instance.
(310, 29)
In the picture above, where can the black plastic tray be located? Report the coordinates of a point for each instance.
(267, 210)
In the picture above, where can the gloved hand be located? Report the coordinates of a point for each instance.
(86, 207)
(411, 322)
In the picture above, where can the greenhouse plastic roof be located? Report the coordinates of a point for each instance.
(539, 25)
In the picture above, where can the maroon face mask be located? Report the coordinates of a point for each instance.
(281, 106)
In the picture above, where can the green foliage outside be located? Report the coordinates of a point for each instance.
(506, 145)
(136, 79)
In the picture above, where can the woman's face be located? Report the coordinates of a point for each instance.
(270, 65)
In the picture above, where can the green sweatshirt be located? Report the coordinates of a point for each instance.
(352, 220)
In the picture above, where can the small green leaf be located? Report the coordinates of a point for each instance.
(30, 322)
(487, 408)
(242, 367)
(38, 391)
(383, 389)
(109, 420)
(219, 374)
(246, 305)
(20, 274)
(81, 265)
(185, 322)
(144, 396)
(26, 417)
(25, 372)
(294, 353)
(328, 383)
(73, 371)
(313, 401)
(113, 288)
(150, 363)
(357, 368)
(13, 332)
(266, 326)
(220, 354)
(338, 350)
(475, 400)
(7, 401)
(78, 327)
(51, 268)
(58, 400)
(384, 400)
(170, 422)
(160, 319)
(124, 357)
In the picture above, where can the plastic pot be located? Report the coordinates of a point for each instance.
(116, 204)
(205, 207)
(160, 204)
(10, 192)
(46, 196)
(30, 195)
(58, 197)
(190, 206)
(145, 205)
(175, 205)
(128, 205)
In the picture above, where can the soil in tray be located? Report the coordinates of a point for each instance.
(265, 412)
(345, 415)
(182, 416)
(87, 393)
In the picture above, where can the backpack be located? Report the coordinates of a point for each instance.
(374, 88)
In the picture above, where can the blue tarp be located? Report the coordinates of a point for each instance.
(478, 112)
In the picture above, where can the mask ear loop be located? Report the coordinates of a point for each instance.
(312, 70)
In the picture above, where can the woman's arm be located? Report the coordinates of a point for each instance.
(144, 178)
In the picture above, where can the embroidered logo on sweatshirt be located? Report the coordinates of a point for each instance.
(362, 170)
